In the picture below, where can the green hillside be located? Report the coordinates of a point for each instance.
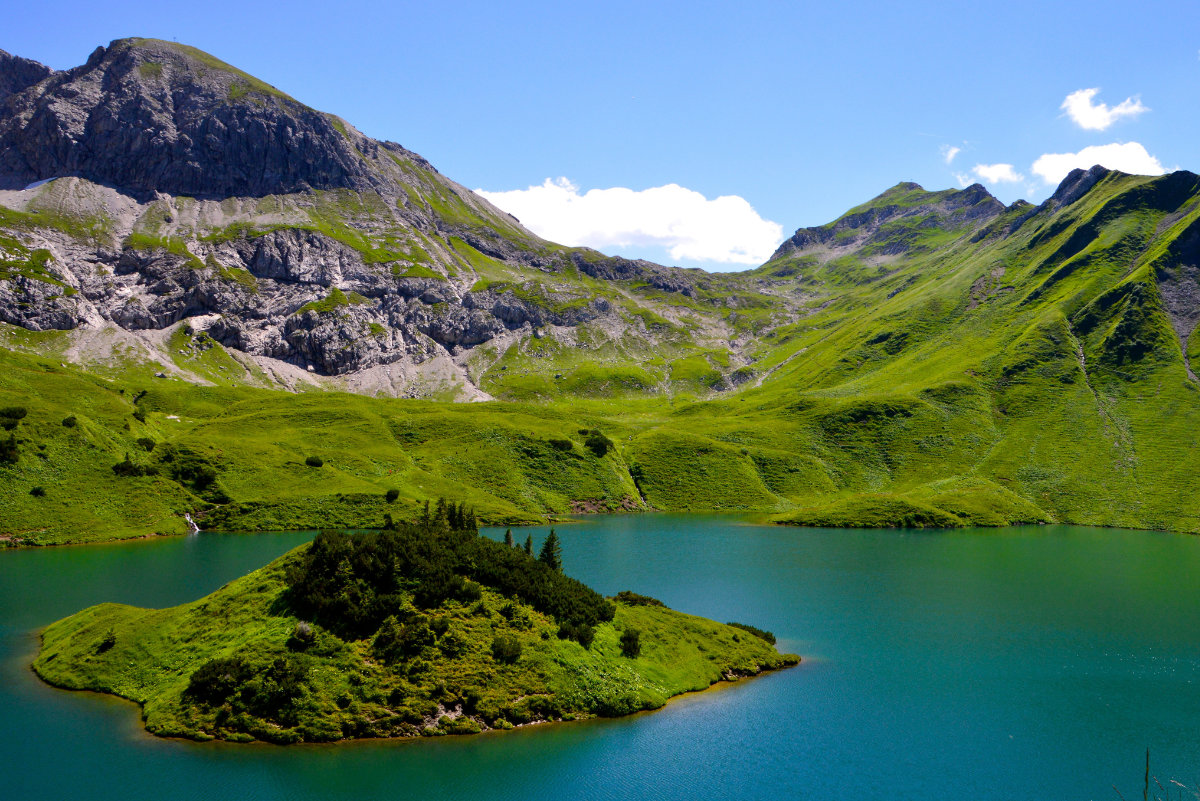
(1027, 368)
(928, 358)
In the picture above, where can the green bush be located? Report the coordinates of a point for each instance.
(11, 415)
(757, 632)
(581, 633)
(391, 495)
(70, 422)
(130, 469)
(9, 452)
(38, 492)
(631, 643)
(146, 444)
(213, 682)
(314, 461)
(396, 641)
(598, 444)
(506, 648)
(561, 444)
(139, 415)
(192, 470)
(633, 599)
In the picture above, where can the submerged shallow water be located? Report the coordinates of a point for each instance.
(984, 664)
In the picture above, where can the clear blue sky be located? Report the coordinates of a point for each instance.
(803, 110)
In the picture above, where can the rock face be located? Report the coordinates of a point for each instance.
(155, 184)
(17, 74)
(147, 116)
(292, 295)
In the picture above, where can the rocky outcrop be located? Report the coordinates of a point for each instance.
(147, 116)
(615, 268)
(18, 74)
(291, 294)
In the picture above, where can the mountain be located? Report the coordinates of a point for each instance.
(156, 184)
(928, 358)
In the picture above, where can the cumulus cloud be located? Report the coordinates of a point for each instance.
(949, 152)
(1092, 116)
(691, 227)
(1129, 157)
(998, 173)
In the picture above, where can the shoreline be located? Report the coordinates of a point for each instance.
(724, 681)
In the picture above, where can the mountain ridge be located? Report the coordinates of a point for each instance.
(928, 358)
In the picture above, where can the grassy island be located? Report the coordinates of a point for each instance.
(420, 629)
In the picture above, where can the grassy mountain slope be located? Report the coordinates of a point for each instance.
(928, 358)
(1024, 372)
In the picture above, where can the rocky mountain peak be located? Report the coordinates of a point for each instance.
(884, 221)
(147, 116)
(18, 74)
(1076, 185)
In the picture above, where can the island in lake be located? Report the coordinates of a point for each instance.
(419, 629)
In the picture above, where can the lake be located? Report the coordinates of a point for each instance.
(1036, 662)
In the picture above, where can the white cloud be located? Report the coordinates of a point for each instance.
(964, 180)
(691, 227)
(949, 152)
(1129, 157)
(998, 173)
(1097, 116)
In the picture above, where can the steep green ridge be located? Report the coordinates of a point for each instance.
(416, 650)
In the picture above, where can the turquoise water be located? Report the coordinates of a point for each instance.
(1021, 663)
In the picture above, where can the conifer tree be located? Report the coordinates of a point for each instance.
(508, 540)
(529, 545)
(551, 553)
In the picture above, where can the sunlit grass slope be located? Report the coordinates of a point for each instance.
(1025, 366)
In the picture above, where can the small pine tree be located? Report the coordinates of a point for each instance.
(508, 540)
(425, 519)
(529, 545)
(551, 553)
